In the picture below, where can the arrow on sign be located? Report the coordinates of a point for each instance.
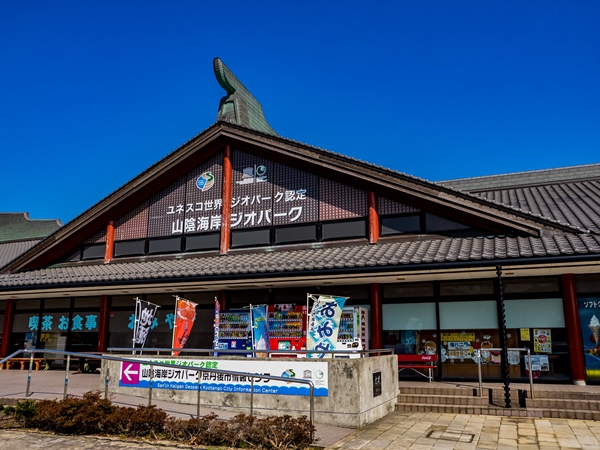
(128, 371)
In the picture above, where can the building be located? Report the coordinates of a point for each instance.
(246, 216)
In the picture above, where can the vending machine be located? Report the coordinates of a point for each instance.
(287, 327)
(353, 333)
(235, 331)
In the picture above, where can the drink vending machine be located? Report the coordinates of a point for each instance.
(287, 327)
(235, 332)
(353, 333)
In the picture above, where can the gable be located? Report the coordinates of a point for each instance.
(281, 192)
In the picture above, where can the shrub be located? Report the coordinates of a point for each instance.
(72, 415)
(24, 412)
(9, 410)
(93, 415)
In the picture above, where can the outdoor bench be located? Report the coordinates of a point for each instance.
(23, 362)
(418, 364)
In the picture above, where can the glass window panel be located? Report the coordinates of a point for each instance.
(409, 316)
(353, 292)
(2, 305)
(27, 304)
(480, 287)
(166, 300)
(407, 290)
(202, 298)
(57, 303)
(538, 313)
(1, 325)
(85, 321)
(124, 301)
(525, 285)
(482, 314)
(88, 302)
(239, 299)
(585, 284)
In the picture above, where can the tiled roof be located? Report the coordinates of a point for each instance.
(19, 227)
(10, 250)
(575, 203)
(529, 178)
(384, 255)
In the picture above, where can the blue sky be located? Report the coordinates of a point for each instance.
(94, 92)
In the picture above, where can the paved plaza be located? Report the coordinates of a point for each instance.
(399, 430)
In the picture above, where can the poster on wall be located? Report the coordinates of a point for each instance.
(538, 363)
(589, 318)
(542, 340)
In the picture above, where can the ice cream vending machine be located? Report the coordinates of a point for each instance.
(234, 331)
(353, 333)
(287, 327)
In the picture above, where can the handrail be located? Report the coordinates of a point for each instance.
(525, 349)
(154, 363)
(212, 351)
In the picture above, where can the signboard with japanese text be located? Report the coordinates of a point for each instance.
(186, 378)
(264, 193)
(80, 321)
(203, 199)
(191, 205)
(589, 318)
(251, 191)
(340, 201)
(295, 196)
(133, 225)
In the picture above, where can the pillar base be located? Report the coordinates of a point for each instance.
(579, 382)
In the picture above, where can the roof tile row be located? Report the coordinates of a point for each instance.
(383, 255)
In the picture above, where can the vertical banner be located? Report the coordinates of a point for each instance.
(144, 316)
(324, 323)
(260, 336)
(589, 318)
(216, 324)
(185, 315)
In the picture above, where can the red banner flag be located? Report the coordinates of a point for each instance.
(185, 314)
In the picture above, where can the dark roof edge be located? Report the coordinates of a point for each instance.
(526, 178)
(328, 272)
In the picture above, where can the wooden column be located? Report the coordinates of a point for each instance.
(574, 336)
(9, 315)
(373, 219)
(222, 299)
(110, 242)
(376, 316)
(103, 323)
(226, 201)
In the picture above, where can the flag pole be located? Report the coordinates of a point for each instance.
(174, 324)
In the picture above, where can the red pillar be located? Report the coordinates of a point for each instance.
(103, 324)
(226, 201)
(110, 242)
(9, 314)
(373, 219)
(376, 317)
(574, 339)
(222, 299)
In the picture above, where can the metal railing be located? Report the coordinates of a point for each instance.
(137, 360)
(211, 352)
(528, 356)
